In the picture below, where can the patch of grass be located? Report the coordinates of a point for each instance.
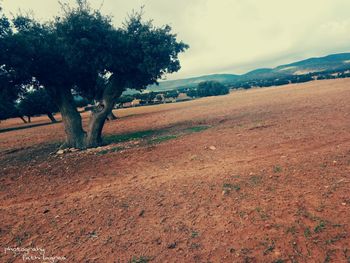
(118, 138)
(303, 212)
(197, 129)
(194, 234)
(277, 169)
(20, 238)
(255, 180)
(139, 260)
(112, 150)
(270, 248)
(128, 136)
(336, 238)
(328, 256)
(307, 232)
(320, 227)
(161, 139)
(195, 246)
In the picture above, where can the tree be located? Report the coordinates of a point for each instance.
(125, 99)
(7, 109)
(10, 86)
(82, 47)
(9, 92)
(211, 88)
(171, 94)
(192, 92)
(37, 102)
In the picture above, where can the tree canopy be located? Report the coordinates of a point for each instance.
(211, 88)
(37, 102)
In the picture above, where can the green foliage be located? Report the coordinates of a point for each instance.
(36, 102)
(152, 136)
(320, 227)
(146, 97)
(197, 129)
(163, 138)
(7, 109)
(277, 169)
(9, 92)
(125, 99)
(136, 54)
(171, 94)
(192, 92)
(139, 260)
(211, 88)
(194, 234)
(307, 232)
(128, 136)
(114, 149)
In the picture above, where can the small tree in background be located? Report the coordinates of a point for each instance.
(171, 94)
(125, 99)
(8, 109)
(37, 102)
(211, 88)
(192, 92)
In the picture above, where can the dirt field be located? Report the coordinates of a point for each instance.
(256, 176)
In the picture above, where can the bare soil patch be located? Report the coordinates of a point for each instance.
(256, 176)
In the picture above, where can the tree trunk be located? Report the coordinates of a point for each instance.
(23, 119)
(75, 135)
(111, 116)
(51, 117)
(29, 120)
(100, 113)
(96, 122)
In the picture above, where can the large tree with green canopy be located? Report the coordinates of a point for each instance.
(81, 51)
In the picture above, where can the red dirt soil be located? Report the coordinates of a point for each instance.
(274, 188)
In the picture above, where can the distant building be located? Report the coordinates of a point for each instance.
(135, 102)
(170, 100)
(183, 97)
(127, 105)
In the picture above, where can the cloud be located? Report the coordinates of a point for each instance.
(234, 36)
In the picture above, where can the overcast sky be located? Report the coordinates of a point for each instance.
(232, 36)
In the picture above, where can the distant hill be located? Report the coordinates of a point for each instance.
(329, 63)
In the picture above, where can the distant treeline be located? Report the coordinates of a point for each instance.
(203, 89)
(289, 79)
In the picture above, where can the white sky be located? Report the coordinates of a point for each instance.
(232, 36)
